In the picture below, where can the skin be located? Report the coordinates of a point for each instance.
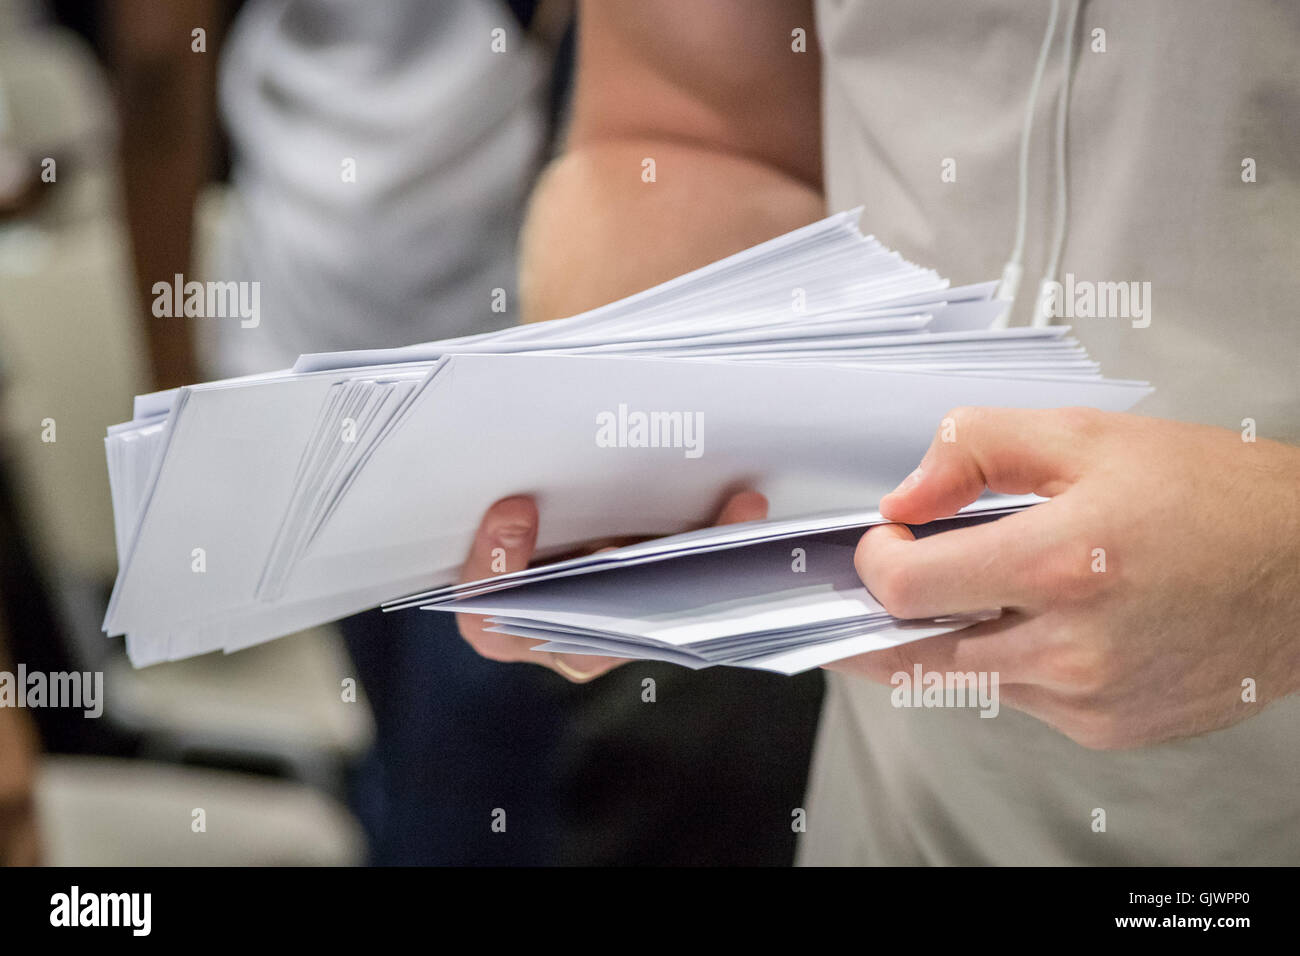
(1201, 531)
(511, 525)
(166, 102)
(1200, 588)
(738, 153)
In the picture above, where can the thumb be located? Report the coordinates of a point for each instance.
(1007, 450)
(742, 506)
(504, 541)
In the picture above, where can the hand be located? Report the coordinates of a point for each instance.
(511, 526)
(1163, 573)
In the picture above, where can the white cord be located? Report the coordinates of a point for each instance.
(1013, 270)
(1043, 311)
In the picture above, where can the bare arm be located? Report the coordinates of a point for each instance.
(729, 113)
(714, 94)
(165, 95)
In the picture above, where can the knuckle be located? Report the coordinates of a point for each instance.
(1080, 669)
(1069, 572)
(1072, 561)
(1075, 581)
(889, 661)
(1082, 421)
(878, 666)
(964, 415)
(893, 587)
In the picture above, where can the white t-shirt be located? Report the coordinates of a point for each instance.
(1160, 125)
(382, 156)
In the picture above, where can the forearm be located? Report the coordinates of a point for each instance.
(596, 231)
(165, 94)
(160, 186)
(715, 96)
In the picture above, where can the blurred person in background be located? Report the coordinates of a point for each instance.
(380, 154)
(381, 157)
(19, 181)
(55, 172)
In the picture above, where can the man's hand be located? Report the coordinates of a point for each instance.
(1158, 587)
(506, 538)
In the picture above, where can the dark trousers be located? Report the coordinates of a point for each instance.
(707, 773)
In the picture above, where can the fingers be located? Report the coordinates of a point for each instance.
(505, 541)
(1014, 451)
(742, 506)
(1012, 648)
(1006, 646)
(997, 564)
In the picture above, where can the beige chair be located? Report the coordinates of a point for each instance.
(70, 348)
(281, 704)
(107, 812)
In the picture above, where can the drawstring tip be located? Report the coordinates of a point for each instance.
(1010, 284)
(1045, 307)
(1007, 289)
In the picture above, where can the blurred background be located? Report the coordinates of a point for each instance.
(142, 139)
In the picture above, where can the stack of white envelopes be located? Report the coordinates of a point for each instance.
(779, 596)
(813, 368)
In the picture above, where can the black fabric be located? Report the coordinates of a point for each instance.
(33, 634)
(708, 774)
(587, 774)
(524, 11)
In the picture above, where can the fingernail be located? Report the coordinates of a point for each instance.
(512, 535)
(582, 667)
(908, 483)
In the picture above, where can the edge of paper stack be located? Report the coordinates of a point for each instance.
(781, 596)
(817, 366)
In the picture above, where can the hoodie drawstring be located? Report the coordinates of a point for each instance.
(1013, 271)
